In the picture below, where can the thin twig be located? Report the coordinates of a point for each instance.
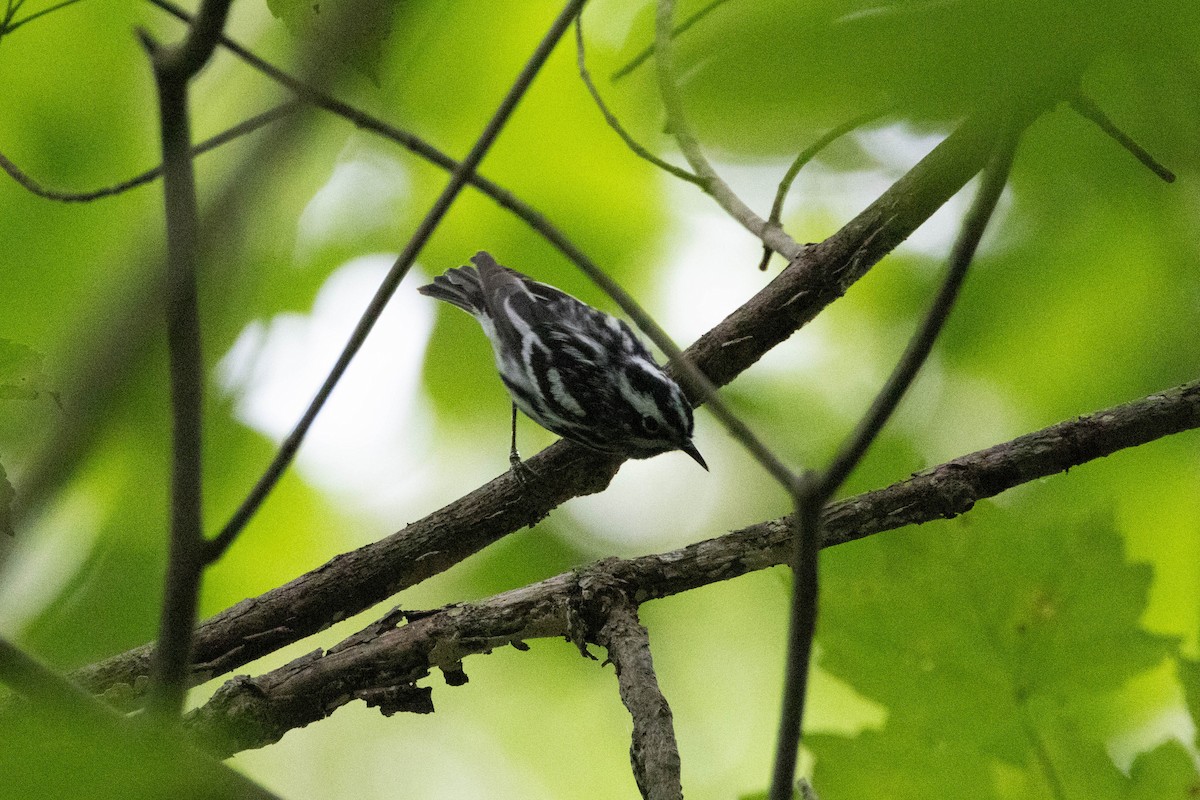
(241, 129)
(771, 236)
(1087, 108)
(805, 156)
(818, 491)
(246, 714)
(802, 625)
(614, 123)
(9, 28)
(174, 67)
(10, 11)
(645, 55)
(458, 179)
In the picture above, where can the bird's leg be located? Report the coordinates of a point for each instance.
(521, 471)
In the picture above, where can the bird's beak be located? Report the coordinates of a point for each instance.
(691, 450)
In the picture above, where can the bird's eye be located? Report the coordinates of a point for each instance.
(650, 425)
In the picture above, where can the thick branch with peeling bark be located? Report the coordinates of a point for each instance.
(247, 713)
(356, 580)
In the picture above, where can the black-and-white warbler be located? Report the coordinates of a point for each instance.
(573, 369)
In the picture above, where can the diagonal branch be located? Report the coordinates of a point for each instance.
(354, 581)
(995, 177)
(1086, 107)
(247, 713)
(802, 159)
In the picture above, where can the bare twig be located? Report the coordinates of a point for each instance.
(653, 752)
(771, 236)
(356, 580)
(241, 129)
(805, 156)
(645, 55)
(1087, 108)
(458, 179)
(802, 625)
(9, 26)
(614, 123)
(174, 67)
(818, 491)
(248, 713)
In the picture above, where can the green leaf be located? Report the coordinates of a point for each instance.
(988, 643)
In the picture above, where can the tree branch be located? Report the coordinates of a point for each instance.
(805, 156)
(247, 713)
(354, 581)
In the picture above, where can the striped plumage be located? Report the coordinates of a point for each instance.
(573, 369)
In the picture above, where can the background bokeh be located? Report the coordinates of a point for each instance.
(1085, 294)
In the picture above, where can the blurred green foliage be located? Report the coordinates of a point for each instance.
(992, 646)
(1000, 655)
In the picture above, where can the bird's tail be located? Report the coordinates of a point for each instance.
(460, 287)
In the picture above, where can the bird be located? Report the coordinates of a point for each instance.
(575, 370)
